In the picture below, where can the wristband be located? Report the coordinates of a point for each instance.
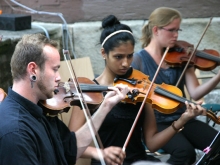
(177, 130)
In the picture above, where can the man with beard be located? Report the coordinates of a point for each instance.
(27, 135)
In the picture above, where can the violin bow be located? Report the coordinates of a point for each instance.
(142, 105)
(95, 136)
(209, 114)
(192, 54)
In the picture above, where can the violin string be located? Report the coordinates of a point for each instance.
(192, 54)
(204, 54)
(85, 87)
(95, 137)
(142, 105)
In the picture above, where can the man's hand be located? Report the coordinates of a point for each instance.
(113, 155)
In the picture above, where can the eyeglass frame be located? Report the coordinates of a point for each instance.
(171, 30)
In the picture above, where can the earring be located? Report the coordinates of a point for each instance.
(33, 78)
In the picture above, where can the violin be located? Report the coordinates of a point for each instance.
(66, 95)
(164, 98)
(179, 55)
(139, 84)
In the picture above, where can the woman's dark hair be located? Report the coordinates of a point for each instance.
(110, 24)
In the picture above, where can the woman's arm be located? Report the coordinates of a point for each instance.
(113, 155)
(155, 140)
(195, 90)
(83, 133)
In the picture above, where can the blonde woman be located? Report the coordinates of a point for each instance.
(161, 32)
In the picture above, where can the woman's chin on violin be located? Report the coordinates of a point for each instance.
(172, 43)
(123, 71)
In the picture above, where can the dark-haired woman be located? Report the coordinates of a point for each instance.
(117, 50)
(161, 32)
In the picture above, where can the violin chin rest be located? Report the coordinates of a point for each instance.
(127, 74)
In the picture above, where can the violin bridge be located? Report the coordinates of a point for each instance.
(145, 84)
(66, 86)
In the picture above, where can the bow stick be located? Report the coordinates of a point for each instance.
(142, 105)
(192, 54)
(95, 136)
(209, 114)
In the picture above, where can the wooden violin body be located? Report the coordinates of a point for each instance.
(68, 96)
(164, 98)
(139, 84)
(205, 60)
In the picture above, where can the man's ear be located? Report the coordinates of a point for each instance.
(32, 68)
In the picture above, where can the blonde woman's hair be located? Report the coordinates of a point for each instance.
(160, 17)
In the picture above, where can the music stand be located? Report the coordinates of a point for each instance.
(212, 153)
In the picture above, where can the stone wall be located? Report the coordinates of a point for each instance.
(95, 10)
(85, 42)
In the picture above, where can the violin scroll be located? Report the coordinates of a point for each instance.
(213, 117)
